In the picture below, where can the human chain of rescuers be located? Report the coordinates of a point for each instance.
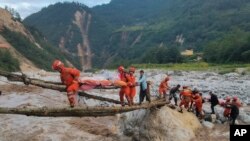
(191, 100)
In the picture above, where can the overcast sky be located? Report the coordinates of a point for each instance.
(27, 7)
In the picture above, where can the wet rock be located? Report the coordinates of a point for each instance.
(223, 120)
(130, 122)
(207, 117)
(218, 122)
(168, 124)
(208, 124)
(209, 74)
(136, 137)
(170, 73)
(178, 73)
(244, 116)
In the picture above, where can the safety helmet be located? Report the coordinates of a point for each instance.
(228, 98)
(57, 64)
(184, 87)
(167, 78)
(235, 98)
(120, 68)
(197, 95)
(132, 69)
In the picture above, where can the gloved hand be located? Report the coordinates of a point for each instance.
(75, 82)
(129, 84)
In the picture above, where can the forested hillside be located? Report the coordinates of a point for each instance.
(67, 25)
(42, 57)
(23, 48)
(154, 31)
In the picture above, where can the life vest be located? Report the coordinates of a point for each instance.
(68, 75)
(186, 93)
(163, 85)
(124, 77)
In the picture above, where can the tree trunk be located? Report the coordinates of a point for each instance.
(79, 111)
(51, 85)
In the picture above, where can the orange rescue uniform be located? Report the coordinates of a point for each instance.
(125, 90)
(198, 103)
(163, 87)
(68, 78)
(185, 97)
(132, 84)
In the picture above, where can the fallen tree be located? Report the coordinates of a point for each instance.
(53, 85)
(79, 111)
(76, 111)
(26, 80)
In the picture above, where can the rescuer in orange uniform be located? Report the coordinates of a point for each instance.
(163, 87)
(197, 99)
(125, 90)
(69, 77)
(132, 84)
(193, 96)
(185, 96)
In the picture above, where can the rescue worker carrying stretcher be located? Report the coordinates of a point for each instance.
(185, 97)
(132, 84)
(69, 77)
(125, 90)
(197, 99)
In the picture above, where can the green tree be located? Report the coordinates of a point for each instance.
(7, 61)
(14, 13)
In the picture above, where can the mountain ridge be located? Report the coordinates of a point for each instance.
(132, 31)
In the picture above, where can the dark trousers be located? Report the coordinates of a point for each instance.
(232, 119)
(143, 94)
(212, 108)
(173, 95)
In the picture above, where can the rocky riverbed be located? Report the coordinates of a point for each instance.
(153, 124)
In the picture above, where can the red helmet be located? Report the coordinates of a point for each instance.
(132, 69)
(184, 87)
(235, 98)
(120, 68)
(197, 95)
(167, 78)
(228, 98)
(57, 64)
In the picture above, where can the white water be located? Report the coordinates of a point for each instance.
(140, 124)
